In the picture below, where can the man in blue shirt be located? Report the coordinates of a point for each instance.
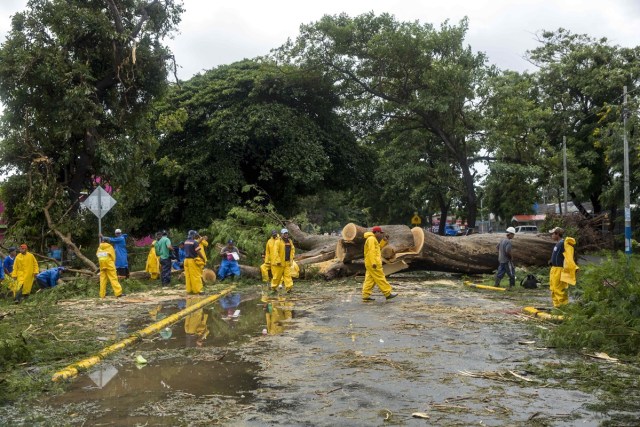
(49, 278)
(7, 264)
(119, 243)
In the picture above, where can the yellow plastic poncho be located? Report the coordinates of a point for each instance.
(25, 269)
(569, 269)
(153, 262)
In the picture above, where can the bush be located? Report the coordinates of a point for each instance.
(606, 315)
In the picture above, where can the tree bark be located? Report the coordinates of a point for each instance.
(400, 239)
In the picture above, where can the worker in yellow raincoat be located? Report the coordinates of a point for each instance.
(153, 262)
(285, 251)
(563, 267)
(373, 263)
(269, 255)
(201, 261)
(192, 273)
(107, 260)
(25, 268)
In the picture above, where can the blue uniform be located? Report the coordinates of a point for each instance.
(7, 265)
(228, 266)
(48, 278)
(120, 246)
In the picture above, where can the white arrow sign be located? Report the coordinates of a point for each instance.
(99, 202)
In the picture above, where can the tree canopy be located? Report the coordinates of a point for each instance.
(78, 79)
(250, 123)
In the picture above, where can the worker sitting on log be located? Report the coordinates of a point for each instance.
(229, 265)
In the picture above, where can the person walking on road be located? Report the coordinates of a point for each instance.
(119, 243)
(24, 271)
(373, 263)
(505, 259)
(563, 267)
(269, 256)
(163, 251)
(107, 261)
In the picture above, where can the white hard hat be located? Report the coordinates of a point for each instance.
(118, 231)
(511, 230)
(284, 230)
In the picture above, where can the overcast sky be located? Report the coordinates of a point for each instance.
(215, 33)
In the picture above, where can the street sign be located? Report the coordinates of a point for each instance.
(99, 202)
(415, 219)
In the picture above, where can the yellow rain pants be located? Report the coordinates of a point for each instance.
(373, 264)
(192, 276)
(107, 260)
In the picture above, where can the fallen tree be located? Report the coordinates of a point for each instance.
(414, 249)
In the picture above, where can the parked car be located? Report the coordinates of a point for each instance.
(452, 230)
(526, 229)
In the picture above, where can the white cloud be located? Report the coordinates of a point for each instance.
(214, 33)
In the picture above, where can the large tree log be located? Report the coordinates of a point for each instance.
(400, 240)
(477, 253)
(314, 246)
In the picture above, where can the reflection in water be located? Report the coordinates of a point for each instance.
(103, 374)
(277, 312)
(130, 396)
(195, 324)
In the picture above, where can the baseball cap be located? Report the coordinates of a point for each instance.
(377, 229)
(558, 230)
(274, 232)
(284, 230)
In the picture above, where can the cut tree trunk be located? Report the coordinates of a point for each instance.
(316, 248)
(477, 253)
(400, 240)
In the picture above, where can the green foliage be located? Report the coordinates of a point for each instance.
(581, 79)
(249, 229)
(90, 116)
(405, 75)
(249, 123)
(606, 315)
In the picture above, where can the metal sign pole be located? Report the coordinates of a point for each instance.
(99, 216)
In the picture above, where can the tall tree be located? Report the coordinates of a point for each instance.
(405, 72)
(250, 123)
(581, 80)
(77, 78)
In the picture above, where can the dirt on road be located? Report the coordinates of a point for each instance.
(439, 354)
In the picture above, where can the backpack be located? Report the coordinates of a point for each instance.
(530, 282)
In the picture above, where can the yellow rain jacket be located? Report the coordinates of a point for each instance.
(153, 262)
(107, 260)
(25, 269)
(569, 270)
(372, 251)
(373, 275)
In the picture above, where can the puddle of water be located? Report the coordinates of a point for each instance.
(210, 368)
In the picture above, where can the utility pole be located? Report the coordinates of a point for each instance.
(627, 198)
(564, 167)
